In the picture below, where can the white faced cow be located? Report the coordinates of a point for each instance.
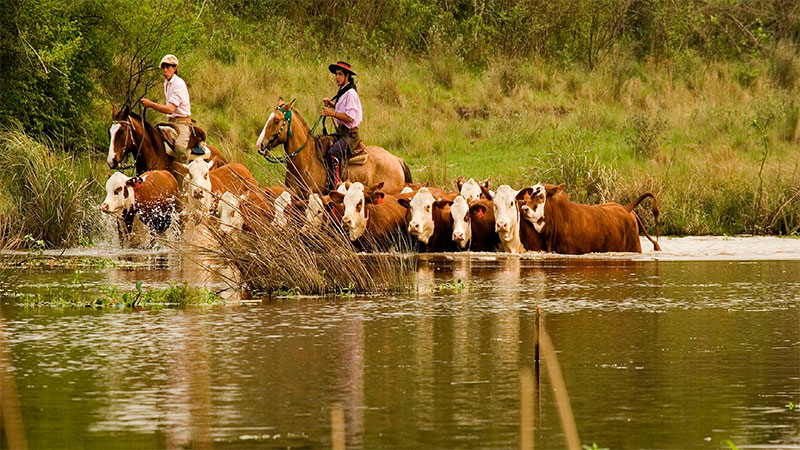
(150, 198)
(430, 220)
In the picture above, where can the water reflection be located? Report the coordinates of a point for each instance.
(653, 354)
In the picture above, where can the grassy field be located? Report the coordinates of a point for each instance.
(717, 142)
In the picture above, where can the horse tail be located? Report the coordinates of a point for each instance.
(406, 171)
(630, 206)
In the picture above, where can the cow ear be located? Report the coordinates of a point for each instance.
(376, 197)
(553, 190)
(377, 187)
(180, 169)
(210, 164)
(404, 202)
(460, 183)
(477, 209)
(134, 182)
(485, 192)
(336, 196)
(442, 203)
(523, 192)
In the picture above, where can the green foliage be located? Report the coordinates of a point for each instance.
(49, 198)
(645, 138)
(457, 285)
(175, 295)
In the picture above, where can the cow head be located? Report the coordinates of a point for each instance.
(421, 206)
(276, 129)
(199, 182)
(230, 218)
(534, 199)
(282, 203)
(470, 190)
(119, 193)
(355, 217)
(462, 228)
(506, 213)
(315, 212)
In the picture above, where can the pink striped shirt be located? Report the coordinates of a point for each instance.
(177, 93)
(350, 105)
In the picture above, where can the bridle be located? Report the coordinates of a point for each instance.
(128, 135)
(286, 122)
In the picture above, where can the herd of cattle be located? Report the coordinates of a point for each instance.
(473, 217)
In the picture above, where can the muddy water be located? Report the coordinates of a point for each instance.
(676, 350)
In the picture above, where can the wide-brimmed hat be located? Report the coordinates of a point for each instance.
(341, 65)
(169, 59)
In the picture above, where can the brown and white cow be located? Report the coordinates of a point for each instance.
(371, 219)
(473, 224)
(151, 198)
(471, 189)
(574, 228)
(253, 210)
(206, 184)
(429, 219)
(515, 237)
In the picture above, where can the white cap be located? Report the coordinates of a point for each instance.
(169, 59)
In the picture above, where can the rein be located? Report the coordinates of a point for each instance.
(287, 120)
(133, 141)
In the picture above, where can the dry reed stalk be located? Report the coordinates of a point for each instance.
(526, 394)
(560, 391)
(338, 437)
(298, 259)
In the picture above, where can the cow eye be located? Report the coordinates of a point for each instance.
(205, 176)
(428, 208)
(117, 191)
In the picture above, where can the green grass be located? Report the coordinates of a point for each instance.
(681, 129)
(175, 295)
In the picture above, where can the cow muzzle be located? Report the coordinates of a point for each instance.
(502, 226)
(197, 194)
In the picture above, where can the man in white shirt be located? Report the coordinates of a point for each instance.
(178, 108)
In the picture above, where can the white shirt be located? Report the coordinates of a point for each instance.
(177, 93)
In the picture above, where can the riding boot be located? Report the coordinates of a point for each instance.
(336, 175)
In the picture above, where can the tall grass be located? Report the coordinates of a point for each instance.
(296, 260)
(45, 193)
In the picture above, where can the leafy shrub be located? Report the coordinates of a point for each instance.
(645, 138)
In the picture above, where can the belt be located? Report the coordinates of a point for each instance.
(186, 120)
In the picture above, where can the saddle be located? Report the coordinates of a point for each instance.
(358, 157)
(196, 144)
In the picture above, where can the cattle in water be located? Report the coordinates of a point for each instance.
(150, 199)
(429, 219)
(207, 184)
(515, 237)
(574, 228)
(253, 210)
(473, 224)
(321, 209)
(371, 219)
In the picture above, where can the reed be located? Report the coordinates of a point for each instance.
(295, 259)
(47, 192)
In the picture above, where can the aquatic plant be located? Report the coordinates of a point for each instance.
(448, 286)
(730, 444)
(178, 294)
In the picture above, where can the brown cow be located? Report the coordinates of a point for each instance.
(207, 185)
(371, 219)
(152, 198)
(429, 219)
(514, 235)
(574, 228)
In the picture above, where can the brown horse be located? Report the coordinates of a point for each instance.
(305, 168)
(130, 134)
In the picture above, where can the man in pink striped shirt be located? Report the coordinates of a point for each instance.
(178, 108)
(347, 114)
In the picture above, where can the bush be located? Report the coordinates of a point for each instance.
(646, 135)
(48, 192)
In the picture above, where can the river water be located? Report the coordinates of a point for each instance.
(675, 350)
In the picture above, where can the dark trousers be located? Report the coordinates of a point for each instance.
(346, 140)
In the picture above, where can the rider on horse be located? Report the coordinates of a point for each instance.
(178, 108)
(347, 114)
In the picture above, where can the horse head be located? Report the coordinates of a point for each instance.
(277, 130)
(123, 136)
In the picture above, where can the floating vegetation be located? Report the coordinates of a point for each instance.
(175, 295)
(452, 286)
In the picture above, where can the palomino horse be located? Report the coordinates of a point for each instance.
(305, 169)
(130, 134)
